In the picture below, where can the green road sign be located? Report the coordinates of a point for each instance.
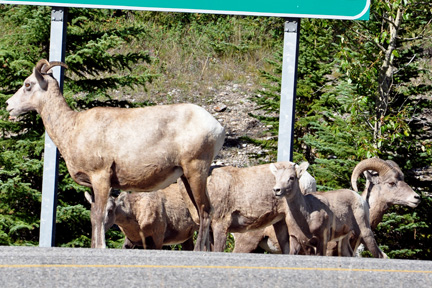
(329, 9)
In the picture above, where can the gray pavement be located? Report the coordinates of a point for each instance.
(78, 267)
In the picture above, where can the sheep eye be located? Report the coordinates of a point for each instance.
(27, 85)
(392, 184)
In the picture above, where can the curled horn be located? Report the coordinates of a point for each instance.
(42, 67)
(52, 64)
(38, 73)
(376, 164)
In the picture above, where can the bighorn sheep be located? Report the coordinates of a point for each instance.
(243, 200)
(151, 220)
(316, 218)
(140, 149)
(265, 238)
(385, 187)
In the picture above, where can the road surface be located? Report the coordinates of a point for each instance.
(81, 267)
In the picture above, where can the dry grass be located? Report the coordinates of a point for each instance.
(192, 66)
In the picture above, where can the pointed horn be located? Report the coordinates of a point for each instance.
(52, 64)
(38, 73)
(376, 164)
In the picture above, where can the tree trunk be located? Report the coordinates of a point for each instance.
(386, 74)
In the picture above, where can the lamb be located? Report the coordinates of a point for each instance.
(385, 187)
(265, 238)
(316, 218)
(151, 220)
(139, 149)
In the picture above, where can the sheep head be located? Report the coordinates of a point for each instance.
(387, 184)
(287, 175)
(28, 97)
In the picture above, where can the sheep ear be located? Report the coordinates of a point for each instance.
(120, 200)
(372, 178)
(121, 196)
(300, 169)
(273, 169)
(88, 197)
(41, 80)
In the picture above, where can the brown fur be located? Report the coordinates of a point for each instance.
(384, 188)
(242, 200)
(140, 149)
(316, 218)
(151, 220)
(266, 238)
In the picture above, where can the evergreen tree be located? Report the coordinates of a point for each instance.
(321, 133)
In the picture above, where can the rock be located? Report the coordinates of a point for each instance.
(220, 108)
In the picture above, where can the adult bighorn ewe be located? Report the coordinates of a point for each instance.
(266, 238)
(151, 220)
(385, 187)
(243, 200)
(140, 149)
(316, 218)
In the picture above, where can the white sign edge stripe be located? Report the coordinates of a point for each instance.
(192, 10)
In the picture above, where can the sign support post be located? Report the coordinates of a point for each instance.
(51, 154)
(288, 89)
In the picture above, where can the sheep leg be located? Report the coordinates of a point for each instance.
(294, 245)
(127, 244)
(195, 179)
(203, 231)
(371, 245)
(246, 242)
(220, 237)
(188, 245)
(281, 231)
(344, 247)
(321, 245)
(101, 190)
(157, 239)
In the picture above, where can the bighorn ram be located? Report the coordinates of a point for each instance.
(151, 220)
(316, 218)
(385, 187)
(265, 238)
(140, 149)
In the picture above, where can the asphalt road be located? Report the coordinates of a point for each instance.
(77, 267)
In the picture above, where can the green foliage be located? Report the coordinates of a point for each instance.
(406, 233)
(321, 110)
